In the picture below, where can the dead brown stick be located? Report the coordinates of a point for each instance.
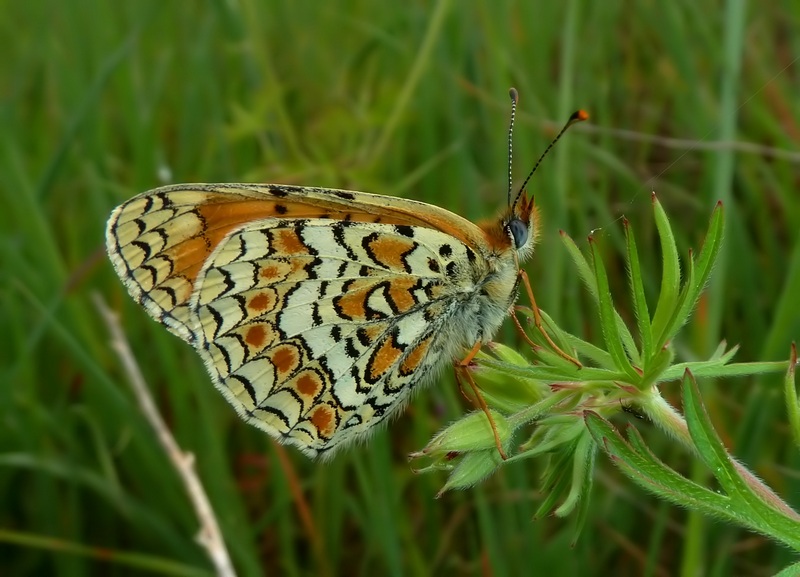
(209, 537)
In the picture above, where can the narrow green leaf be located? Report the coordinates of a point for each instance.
(544, 351)
(657, 368)
(591, 352)
(627, 340)
(536, 411)
(792, 404)
(702, 498)
(583, 266)
(709, 445)
(584, 348)
(719, 352)
(766, 512)
(790, 571)
(581, 461)
(722, 355)
(557, 487)
(726, 357)
(576, 476)
(586, 490)
(670, 275)
(537, 448)
(687, 297)
(697, 274)
(556, 481)
(608, 320)
(719, 369)
(586, 274)
(544, 373)
(637, 291)
(642, 467)
(711, 245)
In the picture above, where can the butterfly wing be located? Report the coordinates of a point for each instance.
(316, 330)
(158, 241)
(316, 311)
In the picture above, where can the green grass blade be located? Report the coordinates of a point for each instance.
(792, 402)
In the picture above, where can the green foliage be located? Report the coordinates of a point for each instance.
(624, 377)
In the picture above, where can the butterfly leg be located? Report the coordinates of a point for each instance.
(521, 330)
(462, 370)
(537, 319)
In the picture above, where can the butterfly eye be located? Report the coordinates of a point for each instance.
(519, 230)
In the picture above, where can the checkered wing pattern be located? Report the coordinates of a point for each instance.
(317, 312)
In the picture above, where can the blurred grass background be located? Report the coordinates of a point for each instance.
(102, 100)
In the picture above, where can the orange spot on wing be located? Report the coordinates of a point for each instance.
(263, 302)
(384, 358)
(255, 336)
(400, 293)
(391, 251)
(286, 359)
(353, 303)
(276, 271)
(414, 358)
(228, 215)
(270, 272)
(258, 336)
(298, 268)
(308, 384)
(247, 210)
(374, 331)
(323, 419)
(287, 241)
(189, 256)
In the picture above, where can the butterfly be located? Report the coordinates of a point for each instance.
(319, 312)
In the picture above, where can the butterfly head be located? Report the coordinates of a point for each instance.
(519, 224)
(514, 232)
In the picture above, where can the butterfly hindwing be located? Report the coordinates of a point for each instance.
(317, 329)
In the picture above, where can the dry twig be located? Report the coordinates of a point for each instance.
(209, 536)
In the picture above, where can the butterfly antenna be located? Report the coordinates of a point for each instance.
(577, 116)
(514, 99)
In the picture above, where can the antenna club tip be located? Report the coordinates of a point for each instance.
(579, 116)
(513, 94)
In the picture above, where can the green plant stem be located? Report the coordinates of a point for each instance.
(669, 420)
(666, 417)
